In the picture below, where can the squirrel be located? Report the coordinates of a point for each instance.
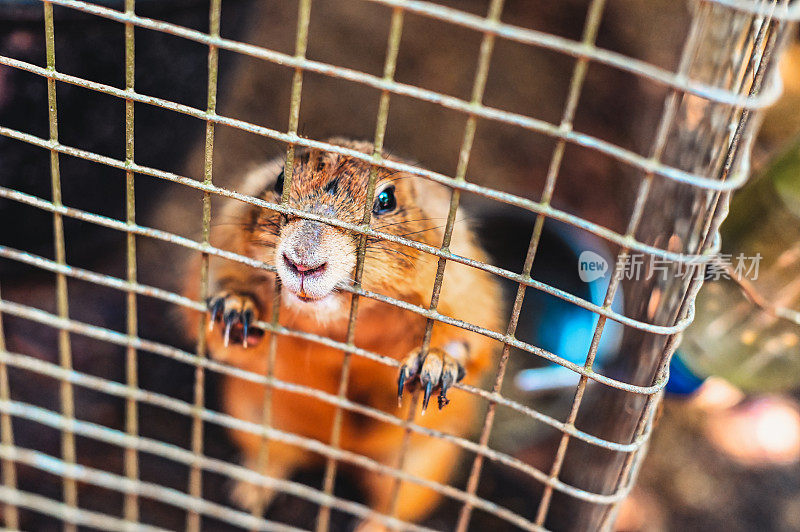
(313, 261)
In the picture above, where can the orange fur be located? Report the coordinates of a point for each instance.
(391, 269)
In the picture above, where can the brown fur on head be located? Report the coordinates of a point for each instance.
(314, 259)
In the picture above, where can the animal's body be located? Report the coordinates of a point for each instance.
(313, 261)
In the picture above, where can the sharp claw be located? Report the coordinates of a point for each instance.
(247, 317)
(215, 309)
(446, 383)
(427, 397)
(443, 401)
(401, 383)
(227, 338)
(230, 318)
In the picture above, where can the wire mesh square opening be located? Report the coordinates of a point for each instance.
(160, 370)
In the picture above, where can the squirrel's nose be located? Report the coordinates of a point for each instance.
(302, 268)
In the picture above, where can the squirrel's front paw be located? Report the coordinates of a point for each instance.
(237, 311)
(437, 370)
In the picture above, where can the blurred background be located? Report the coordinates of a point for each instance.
(726, 450)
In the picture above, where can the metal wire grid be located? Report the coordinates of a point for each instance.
(768, 18)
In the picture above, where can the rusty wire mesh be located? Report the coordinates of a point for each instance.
(745, 87)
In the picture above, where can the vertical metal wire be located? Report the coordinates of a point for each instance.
(478, 88)
(131, 505)
(659, 143)
(590, 30)
(766, 26)
(10, 511)
(300, 46)
(627, 473)
(196, 473)
(390, 63)
(64, 348)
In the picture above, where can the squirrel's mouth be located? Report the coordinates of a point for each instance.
(307, 281)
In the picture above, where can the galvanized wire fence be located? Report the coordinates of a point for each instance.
(727, 94)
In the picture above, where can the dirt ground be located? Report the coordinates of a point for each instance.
(686, 483)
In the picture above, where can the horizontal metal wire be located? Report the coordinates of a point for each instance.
(176, 299)
(169, 237)
(113, 282)
(786, 11)
(119, 390)
(71, 514)
(506, 31)
(607, 148)
(503, 197)
(99, 278)
(783, 11)
(182, 356)
(500, 272)
(111, 481)
(177, 454)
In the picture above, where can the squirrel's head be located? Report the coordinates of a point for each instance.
(314, 259)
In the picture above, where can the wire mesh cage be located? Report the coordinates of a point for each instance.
(68, 459)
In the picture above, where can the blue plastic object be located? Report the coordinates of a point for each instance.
(564, 328)
(682, 381)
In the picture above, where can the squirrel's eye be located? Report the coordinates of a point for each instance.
(385, 201)
(279, 183)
